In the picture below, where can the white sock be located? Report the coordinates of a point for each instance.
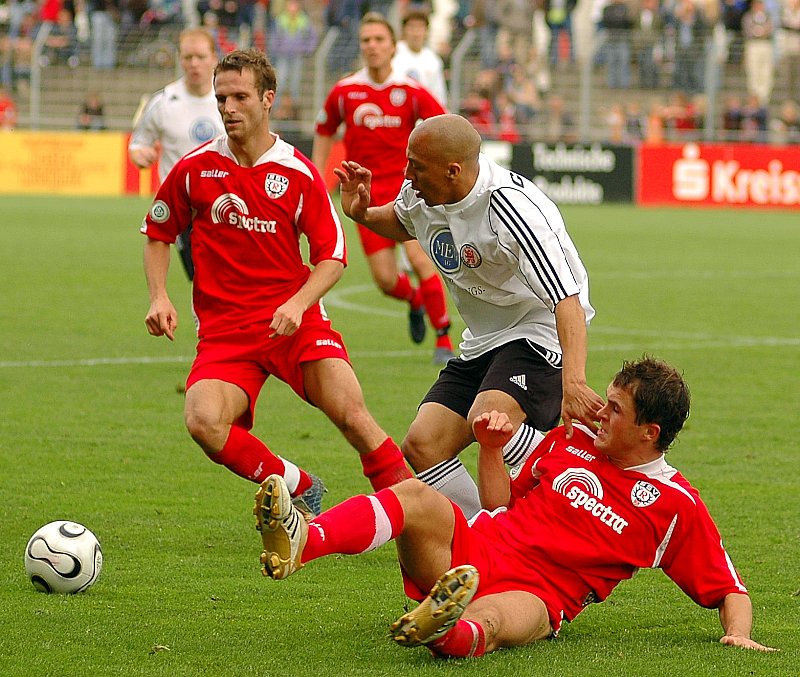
(452, 479)
(291, 475)
(519, 447)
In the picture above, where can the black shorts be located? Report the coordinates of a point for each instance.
(525, 371)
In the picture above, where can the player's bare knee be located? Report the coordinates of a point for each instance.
(203, 431)
(418, 450)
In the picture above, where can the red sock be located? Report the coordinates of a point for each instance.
(467, 639)
(403, 289)
(359, 524)
(432, 291)
(385, 465)
(249, 457)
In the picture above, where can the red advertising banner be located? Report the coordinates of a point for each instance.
(717, 176)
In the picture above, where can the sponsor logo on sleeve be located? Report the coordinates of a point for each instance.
(159, 212)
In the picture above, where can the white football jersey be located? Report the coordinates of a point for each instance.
(425, 66)
(505, 256)
(179, 120)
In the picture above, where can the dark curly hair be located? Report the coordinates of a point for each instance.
(660, 395)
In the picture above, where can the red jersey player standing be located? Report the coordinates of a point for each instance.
(248, 196)
(379, 108)
(579, 515)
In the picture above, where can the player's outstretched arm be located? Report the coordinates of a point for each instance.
(161, 318)
(355, 184)
(736, 616)
(492, 431)
(579, 402)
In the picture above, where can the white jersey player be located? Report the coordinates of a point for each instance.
(180, 117)
(518, 282)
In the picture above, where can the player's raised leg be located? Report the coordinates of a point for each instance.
(214, 412)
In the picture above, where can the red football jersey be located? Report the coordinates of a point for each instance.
(246, 227)
(378, 120)
(592, 525)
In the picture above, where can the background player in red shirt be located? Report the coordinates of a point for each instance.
(248, 196)
(579, 516)
(379, 108)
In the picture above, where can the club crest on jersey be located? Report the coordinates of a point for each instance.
(202, 130)
(397, 96)
(444, 252)
(159, 212)
(275, 185)
(470, 256)
(644, 494)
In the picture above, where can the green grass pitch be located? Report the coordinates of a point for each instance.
(91, 430)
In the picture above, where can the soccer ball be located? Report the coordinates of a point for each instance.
(63, 557)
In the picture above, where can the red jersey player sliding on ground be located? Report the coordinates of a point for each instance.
(248, 196)
(577, 517)
(379, 108)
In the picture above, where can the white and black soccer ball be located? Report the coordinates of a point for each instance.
(63, 557)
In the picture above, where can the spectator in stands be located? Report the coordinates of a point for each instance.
(754, 120)
(91, 115)
(19, 53)
(648, 39)
(786, 126)
(292, 38)
(758, 30)
(162, 13)
(416, 59)
(478, 105)
(104, 17)
(558, 16)
(344, 15)
(691, 31)
(559, 123)
(790, 61)
(61, 45)
(525, 96)
(482, 17)
(732, 118)
(654, 132)
(617, 22)
(731, 15)
(514, 26)
(223, 42)
(8, 110)
(615, 124)
(506, 113)
(679, 118)
(635, 122)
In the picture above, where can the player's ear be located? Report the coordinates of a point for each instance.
(651, 432)
(453, 170)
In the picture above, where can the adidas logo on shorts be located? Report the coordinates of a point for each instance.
(519, 380)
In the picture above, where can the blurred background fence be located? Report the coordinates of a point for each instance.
(608, 71)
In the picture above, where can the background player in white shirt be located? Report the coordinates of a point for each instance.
(414, 58)
(516, 278)
(581, 515)
(180, 117)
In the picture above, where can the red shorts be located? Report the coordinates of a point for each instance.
(477, 545)
(246, 357)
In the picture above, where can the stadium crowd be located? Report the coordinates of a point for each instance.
(654, 54)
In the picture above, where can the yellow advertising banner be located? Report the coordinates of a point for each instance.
(62, 163)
